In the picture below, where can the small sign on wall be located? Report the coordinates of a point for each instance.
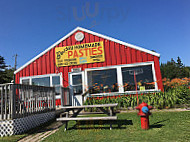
(76, 70)
(80, 54)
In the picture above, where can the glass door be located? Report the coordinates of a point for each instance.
(76, 81)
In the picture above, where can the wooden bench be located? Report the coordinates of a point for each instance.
(88, 118)
(110, 113)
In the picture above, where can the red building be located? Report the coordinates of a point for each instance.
(85, 60)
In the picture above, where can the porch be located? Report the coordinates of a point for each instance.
(23, 107)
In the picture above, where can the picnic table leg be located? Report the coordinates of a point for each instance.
(111, 114)
(66, 123)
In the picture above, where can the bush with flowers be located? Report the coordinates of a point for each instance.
(176, 94)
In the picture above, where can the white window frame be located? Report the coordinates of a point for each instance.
(46, 75)
(70, 80)
(120, 77)
(41, 76)
(77, 73)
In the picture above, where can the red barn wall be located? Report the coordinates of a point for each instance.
(115, 54)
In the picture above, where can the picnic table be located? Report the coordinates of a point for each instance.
(77, 109)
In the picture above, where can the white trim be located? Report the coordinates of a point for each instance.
(91, 32)
(128, 92)
(51, 81)
(119, 76)
(120, 42)
(120, 79)
(41, 76)
(154, 76)
(76, 97)
(123, 65)
(49, 48)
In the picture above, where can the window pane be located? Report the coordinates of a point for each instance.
(44, 81)
(55, 80)
(25, 81)
(100, 81)
(57, 90)
(144, 78)
(77, 79)
(77, 84)
(77, 90)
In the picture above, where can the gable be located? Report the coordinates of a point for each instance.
(113, 46)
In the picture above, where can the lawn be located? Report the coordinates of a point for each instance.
(12, 138)
(164, 126)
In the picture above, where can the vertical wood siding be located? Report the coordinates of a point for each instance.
(115, 54)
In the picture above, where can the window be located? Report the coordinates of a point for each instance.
(77, 84)
(143, 75)
(121, 78)
(26, 81)
(55, 80)
(56, 83)
(100, 81)
(43, 81)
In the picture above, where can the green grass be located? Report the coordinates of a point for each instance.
(164, 126)
(12, 138)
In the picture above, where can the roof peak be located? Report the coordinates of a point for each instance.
(90, 32)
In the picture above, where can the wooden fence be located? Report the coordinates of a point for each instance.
(19, 100)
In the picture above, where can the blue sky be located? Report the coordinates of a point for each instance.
(28, 27)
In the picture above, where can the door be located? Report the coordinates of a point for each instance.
(76, 81)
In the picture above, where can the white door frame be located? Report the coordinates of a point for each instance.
(76, 99)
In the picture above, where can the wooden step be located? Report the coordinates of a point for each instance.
(88, 118)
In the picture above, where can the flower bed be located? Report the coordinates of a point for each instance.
(177, 93)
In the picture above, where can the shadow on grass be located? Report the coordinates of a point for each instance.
(48, 126)
(121, 124)
(157, 125)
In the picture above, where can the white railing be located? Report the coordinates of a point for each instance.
(19, 100)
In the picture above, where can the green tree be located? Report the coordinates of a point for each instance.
(6, 75)
(179, 62)
(173, 69)
(168, 70)
(9, 75)
(2, 70)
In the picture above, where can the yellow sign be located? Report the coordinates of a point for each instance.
(80, 54)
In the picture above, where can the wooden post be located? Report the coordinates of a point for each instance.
(5, 102)
(30, 101)
(61, 93)
(27, 89)
(13, 101)
(10, 92)
(1, 102)
(53, 98)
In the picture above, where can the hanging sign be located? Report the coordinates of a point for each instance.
(79, 54)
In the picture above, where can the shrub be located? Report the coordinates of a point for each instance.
(172, 97)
